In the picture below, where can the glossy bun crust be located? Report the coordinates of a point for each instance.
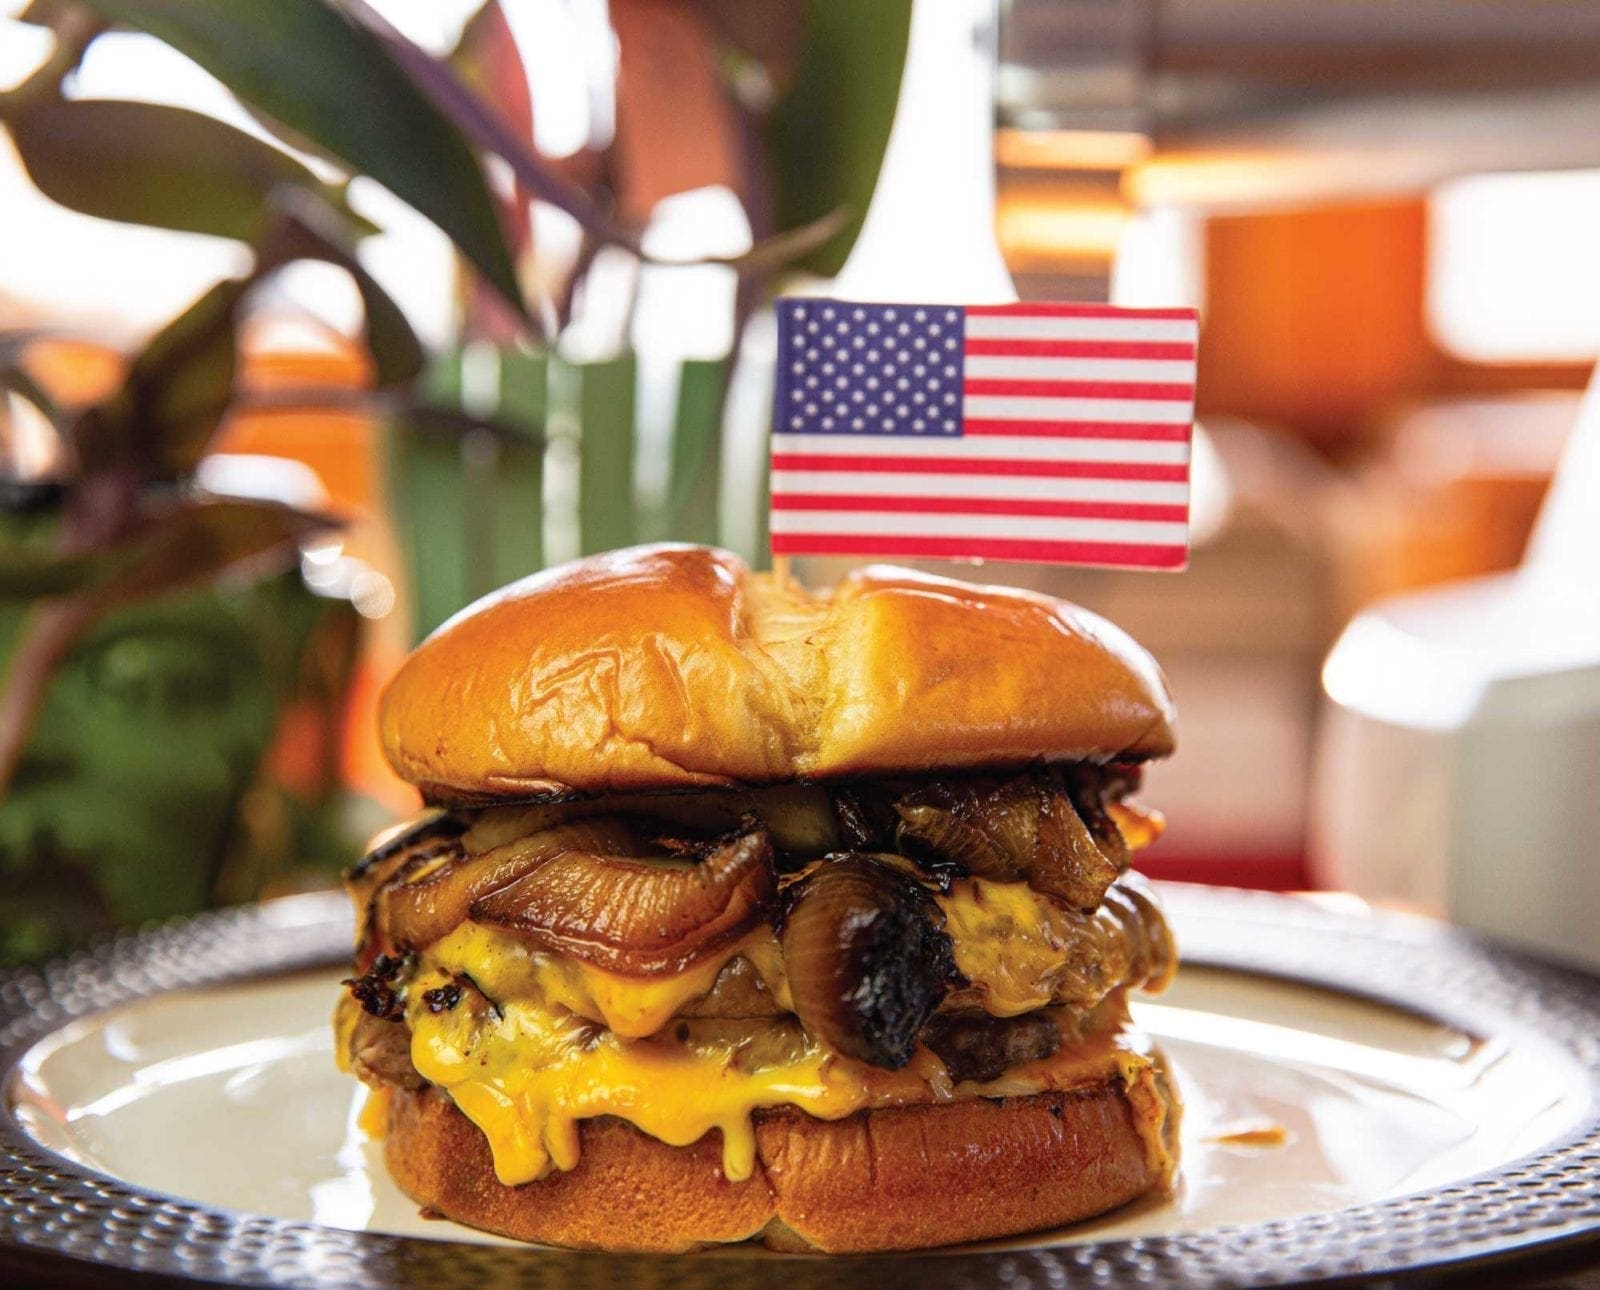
(673, 667)
(894, 1179)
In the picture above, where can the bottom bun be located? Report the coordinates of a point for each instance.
(896, 1178)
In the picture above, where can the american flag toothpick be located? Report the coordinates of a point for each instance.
(1054, 433)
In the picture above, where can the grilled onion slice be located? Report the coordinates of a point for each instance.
(867, 958)
(1025, 828)
(976, 830)
(799, 818)
(1068, 862)
(638, 917)
(415, 914)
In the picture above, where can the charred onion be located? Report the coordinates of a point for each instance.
(638, 917)
(1030, 827)
(866, 957)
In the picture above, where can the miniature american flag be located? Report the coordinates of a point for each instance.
(1054, 433)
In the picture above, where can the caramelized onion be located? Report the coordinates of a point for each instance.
(415, 914)
(799, 818)
(866, 957)
(638, 917)
(1068, 862)
(988, 833)
(1028, 827)
(393, 845)
(1090, 800)
(866, 818)
(412, 850)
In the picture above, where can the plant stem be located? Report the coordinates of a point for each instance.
(73, 30)
(488, 131)
(48, 637)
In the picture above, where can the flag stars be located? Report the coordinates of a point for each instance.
(877, 369)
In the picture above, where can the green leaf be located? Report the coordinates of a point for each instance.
(29, 571)
(172, 397)
(146, 163)
(186, 543)
(605, 407)
(178, 389)
(828, 131)
(310, 230)
(326, 79)
(423, 479)
(197, 540)
(694, 484)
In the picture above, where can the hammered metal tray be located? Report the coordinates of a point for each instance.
(64, 1222)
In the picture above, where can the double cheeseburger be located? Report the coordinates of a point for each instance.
(748, 912)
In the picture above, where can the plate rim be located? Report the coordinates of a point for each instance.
(91, 1227)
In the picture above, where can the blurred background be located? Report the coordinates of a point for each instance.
(320, 319)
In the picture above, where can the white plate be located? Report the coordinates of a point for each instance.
(229, 1097)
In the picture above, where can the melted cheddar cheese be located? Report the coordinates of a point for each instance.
(1022, 951)
(507, 967)
(546, 1041)
(528, 1072)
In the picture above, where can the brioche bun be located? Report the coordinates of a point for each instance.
(888, 1179)
(675, 667)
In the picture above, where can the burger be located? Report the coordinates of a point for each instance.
(743, 911)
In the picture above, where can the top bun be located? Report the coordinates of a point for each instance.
(674, 667)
